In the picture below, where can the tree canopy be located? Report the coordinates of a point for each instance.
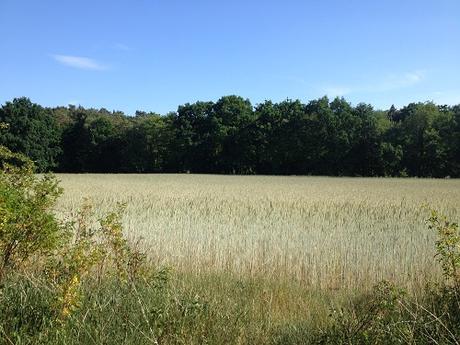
(32, 130)
(231, 136)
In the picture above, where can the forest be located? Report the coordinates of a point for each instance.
(232, 136)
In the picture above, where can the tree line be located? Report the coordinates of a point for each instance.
(232, 136)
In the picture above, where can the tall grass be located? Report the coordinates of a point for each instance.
(325, 233)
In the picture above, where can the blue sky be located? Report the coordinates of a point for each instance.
(154, 55)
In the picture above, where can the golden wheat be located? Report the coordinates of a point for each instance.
(325, 232)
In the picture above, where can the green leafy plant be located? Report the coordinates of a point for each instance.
(28, 227)
(447, 246)
(72, 262)
(129, 260)
(61, 254)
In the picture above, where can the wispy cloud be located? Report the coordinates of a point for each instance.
(337, 91)
(121, 46)
(79, 62)
(293, 79)
(394, 81)
(446, 96)
(73, 102)
(390, 82)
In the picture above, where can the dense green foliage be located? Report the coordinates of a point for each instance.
(33, 131)
(322, 137)
(27, 224)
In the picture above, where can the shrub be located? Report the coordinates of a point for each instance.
(45, 264)
(28, 226)
(447, 247)
(78, 281)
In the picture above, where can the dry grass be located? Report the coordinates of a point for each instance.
(324, 232)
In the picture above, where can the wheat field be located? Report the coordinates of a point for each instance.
(324, 232)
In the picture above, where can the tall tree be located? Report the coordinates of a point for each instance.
(76, 144)
(231, 118)
(230, 136)
(32, 130)
(420, 139)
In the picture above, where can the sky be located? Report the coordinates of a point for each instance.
(155, 55)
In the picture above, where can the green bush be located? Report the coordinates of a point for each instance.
(78, 282)
(28, 227)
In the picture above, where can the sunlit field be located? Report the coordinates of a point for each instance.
(329, 233)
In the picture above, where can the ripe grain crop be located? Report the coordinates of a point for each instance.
(323, 232)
